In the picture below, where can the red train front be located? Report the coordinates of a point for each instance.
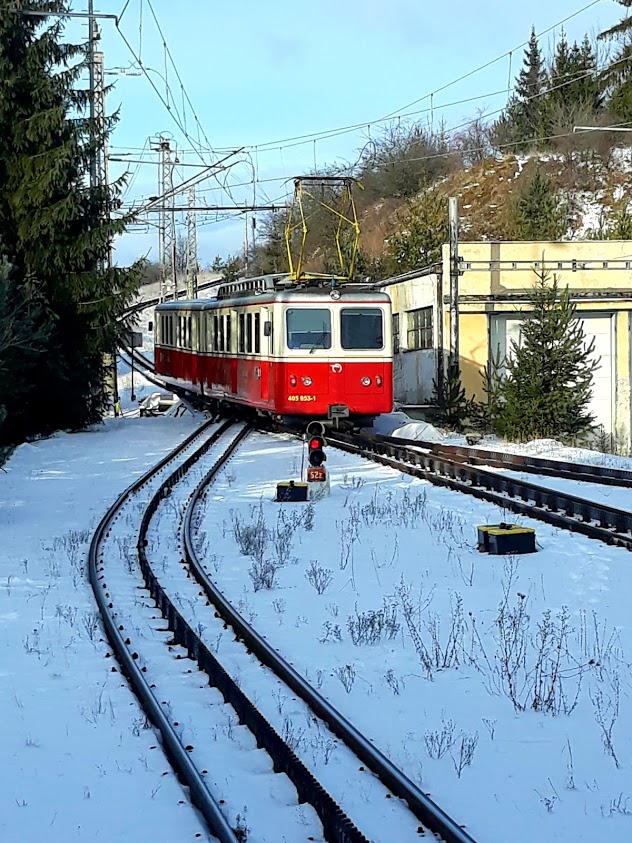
(297, 352)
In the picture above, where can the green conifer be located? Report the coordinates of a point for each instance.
(522, 122)
(617, 78)
(547, 388)
(54, 228)
(536, 214)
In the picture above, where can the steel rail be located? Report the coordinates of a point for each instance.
(426, 811)
(176, 753)
(567, 469)
(337, 826)
(598, 521)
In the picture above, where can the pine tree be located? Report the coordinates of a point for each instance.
(54, 229)
(573, 77)
(449, 398)
(549, 375)
(536, 215)
(617, 78)
(522, 122)
(25, 325)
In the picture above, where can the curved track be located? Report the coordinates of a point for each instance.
(598, 521)
(143, 667)
(520, 462)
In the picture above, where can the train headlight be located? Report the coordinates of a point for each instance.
(335, 294)
(293, 380)
(366, 381)
(307, 381)
(378, 381)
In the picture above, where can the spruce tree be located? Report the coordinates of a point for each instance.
(536, 215)
(452, 406)
(54, 229)
(547, 388)
(617, 78)
(522, 123)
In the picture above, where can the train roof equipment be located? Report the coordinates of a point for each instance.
(332, 194)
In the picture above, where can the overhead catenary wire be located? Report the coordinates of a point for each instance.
(288, 142)
(490, 63)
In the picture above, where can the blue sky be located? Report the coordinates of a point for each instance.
(260, 72)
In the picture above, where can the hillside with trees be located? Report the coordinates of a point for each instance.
(521, 175)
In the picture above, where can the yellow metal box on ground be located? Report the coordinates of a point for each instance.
(290, 491)
(506, 538)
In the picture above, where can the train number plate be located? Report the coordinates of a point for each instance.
(316, 474)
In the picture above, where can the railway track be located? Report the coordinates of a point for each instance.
(520, 462)
(164, 653)
(596, 520)
(459, 468)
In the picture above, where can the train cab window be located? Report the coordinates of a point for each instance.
(229, 331)
(308, 328)
(242, 333)
(361, 327)
(249, 333)
(257, 333)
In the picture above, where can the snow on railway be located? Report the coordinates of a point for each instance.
(447, 659)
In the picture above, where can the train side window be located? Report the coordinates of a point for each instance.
(241, 339)
(215, 333)
(221, 332)
(249, 333)
(229, 332)
(189, 332)
(257, 333)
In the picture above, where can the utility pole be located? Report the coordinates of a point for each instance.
(99, 166)
(167, 221)
(192, 257)
(455, 272)
(92, 39)
(246, 247)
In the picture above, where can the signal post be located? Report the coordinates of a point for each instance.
(317, 476)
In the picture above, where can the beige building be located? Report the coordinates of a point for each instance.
(493, 300)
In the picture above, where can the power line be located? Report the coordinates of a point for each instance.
(508, 54)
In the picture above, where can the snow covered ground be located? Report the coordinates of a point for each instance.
(78, 761)
(500, 685)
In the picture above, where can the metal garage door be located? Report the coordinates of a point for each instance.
(504, 329)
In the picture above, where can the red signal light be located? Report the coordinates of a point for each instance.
(316, 455)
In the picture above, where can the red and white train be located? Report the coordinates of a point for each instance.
(296, 352)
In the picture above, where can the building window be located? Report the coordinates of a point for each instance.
(396, 333)
(419, 329)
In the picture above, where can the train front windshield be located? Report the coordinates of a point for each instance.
(308, 328)
(361, 328)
